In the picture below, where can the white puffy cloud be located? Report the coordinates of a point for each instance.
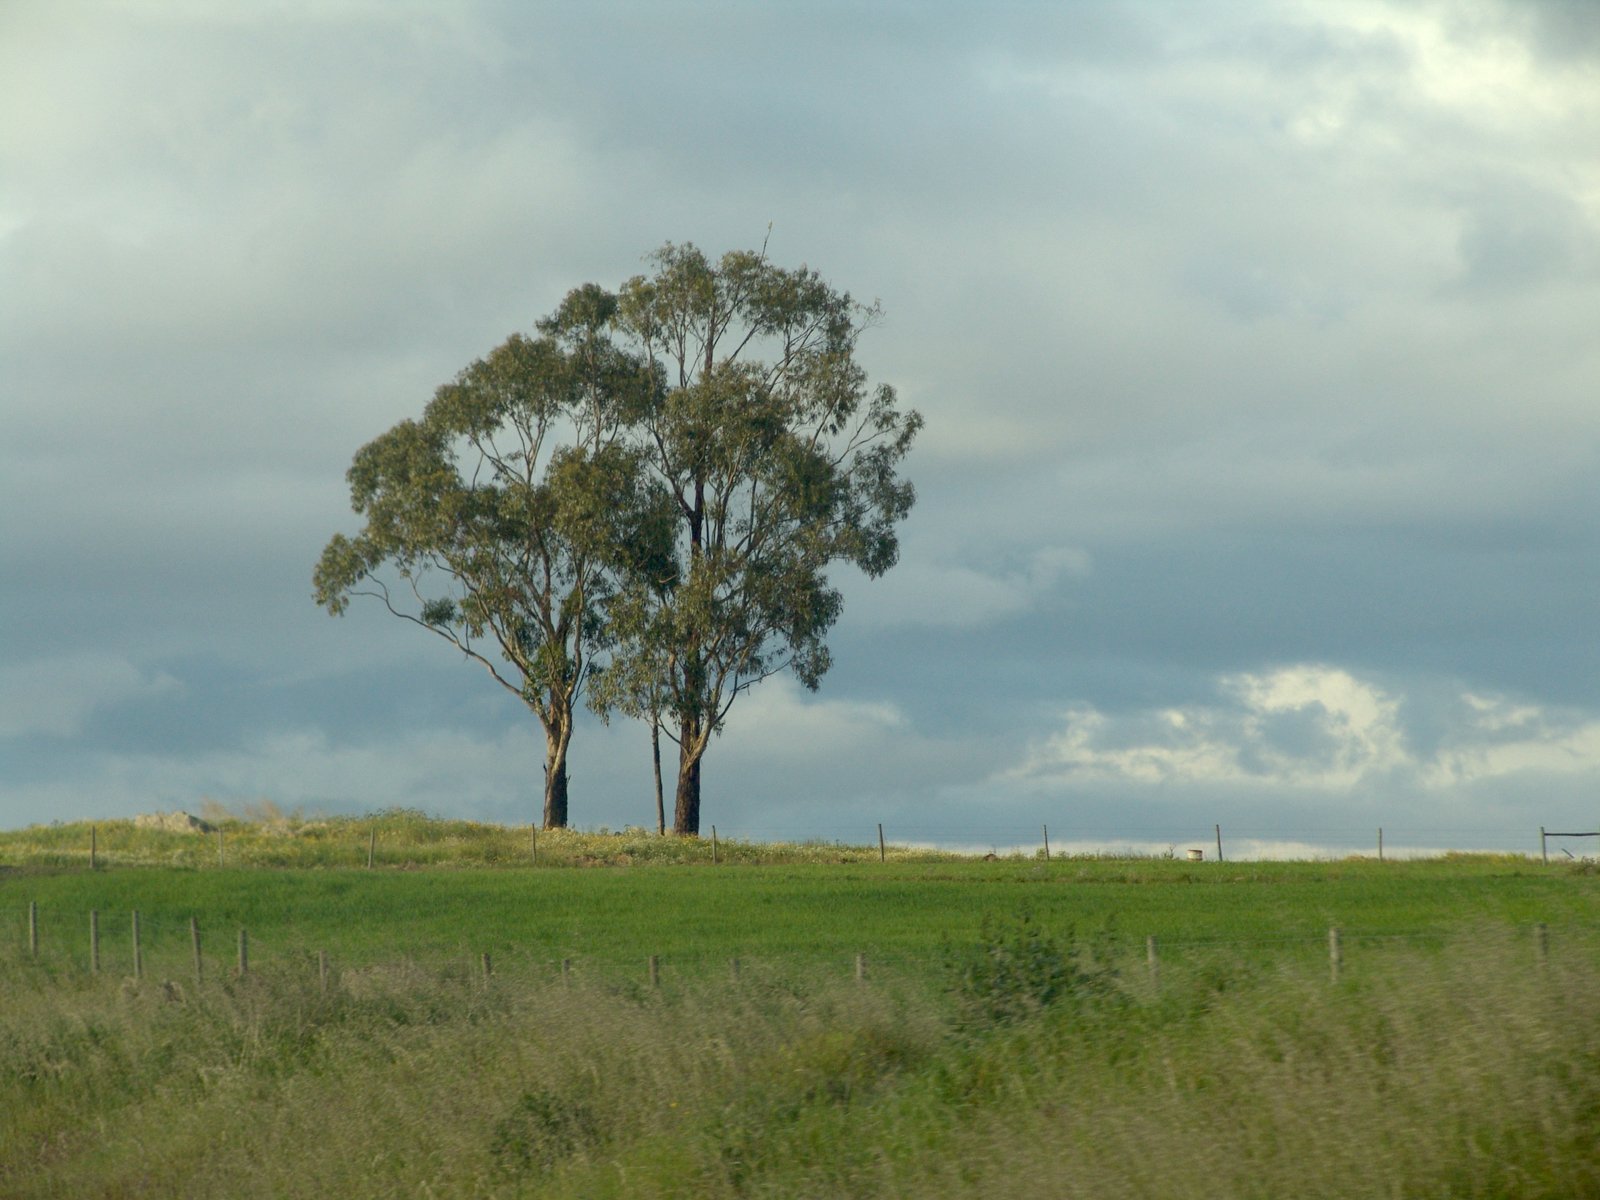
(1312, 726)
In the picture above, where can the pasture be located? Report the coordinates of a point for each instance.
(1009, 1037)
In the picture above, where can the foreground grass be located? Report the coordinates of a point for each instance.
(1464, 1071)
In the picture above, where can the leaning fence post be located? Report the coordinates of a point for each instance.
(1047, 843)
(1219, 843)
(33, 929)
(883, 853)
(1335, 953)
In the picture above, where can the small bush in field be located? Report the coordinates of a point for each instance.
(541, 1130)
(1017, 968)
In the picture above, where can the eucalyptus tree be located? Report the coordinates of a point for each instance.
(779, 461)
(499, 520)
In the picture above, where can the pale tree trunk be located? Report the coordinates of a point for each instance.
(557, 738)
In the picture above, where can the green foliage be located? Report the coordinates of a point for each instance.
(542, 1129)
(1017, 969)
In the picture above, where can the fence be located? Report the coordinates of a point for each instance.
(236, 963)
(363, 842)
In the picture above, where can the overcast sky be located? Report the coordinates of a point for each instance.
(1258, 343)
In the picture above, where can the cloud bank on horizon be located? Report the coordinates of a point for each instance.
(1256, 345)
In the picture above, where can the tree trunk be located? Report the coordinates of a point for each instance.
(655, 754)
(555, 778)
(686, 814)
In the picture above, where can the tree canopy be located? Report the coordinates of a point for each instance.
(643, 501)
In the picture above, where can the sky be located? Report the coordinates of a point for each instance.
(1256, 341)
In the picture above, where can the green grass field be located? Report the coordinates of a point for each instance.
(1009, 1039)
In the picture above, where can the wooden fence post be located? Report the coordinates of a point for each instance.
(488, 968)
(244, 953)
(138, 950)
(33, 929)
(883, 853)
(1047, 843)
(1335, 953)
(713, 845)
(194, 937)
(566, 971)
(655, 971)
(1219, 843)
(1153, 961)
(94, 941)
(1544, 853)
(1541, 943)
(1380, 843)
(861, 968)
(94, 848)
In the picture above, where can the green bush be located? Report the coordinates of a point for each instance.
(1017, 968)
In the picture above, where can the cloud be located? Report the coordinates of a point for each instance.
(55, 697)
(1317, 728)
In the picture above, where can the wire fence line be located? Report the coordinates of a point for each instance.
(131, 944)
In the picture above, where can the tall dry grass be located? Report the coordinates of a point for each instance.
(1471, 1071)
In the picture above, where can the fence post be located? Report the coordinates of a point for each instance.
(1541, 943)
(1153, 960)
(194, 937)
(1380, 843)
(861, 968)
(1219, 843)
(1335, 953)
(94, 847)
(883, 854)
(372, 846)
(33, 929)
(488, 969)
(244, 953)
(1047, 843)
(566, 971)
(655, 971)
(138, 950)
(1544, 853)
(713, 845)
(322, 971)
(94, 941)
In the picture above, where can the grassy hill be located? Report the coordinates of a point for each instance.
(1009, 1037)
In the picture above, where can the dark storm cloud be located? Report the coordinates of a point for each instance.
(1254, 347)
